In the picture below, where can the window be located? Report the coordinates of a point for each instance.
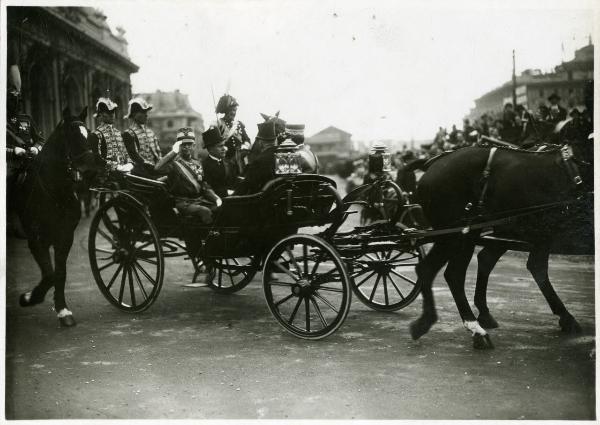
(541, 92)
(170, 124)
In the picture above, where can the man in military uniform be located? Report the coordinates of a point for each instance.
(140, 141)
(215, 172)
(186, 178)
(106, 141)
(233, 131)
(23, 140)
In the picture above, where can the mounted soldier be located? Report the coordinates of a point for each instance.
(140, 141)
(106, 141)
(234, 133)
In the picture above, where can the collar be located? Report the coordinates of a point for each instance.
(216, 159)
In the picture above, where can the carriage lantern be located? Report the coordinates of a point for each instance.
(287, 159)
(380, 159)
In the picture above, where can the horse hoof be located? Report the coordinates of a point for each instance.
(482, 342)
(487, 321)
(27, 300)
(65, 318)
(569, 325)
(421, 326)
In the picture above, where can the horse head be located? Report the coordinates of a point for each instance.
(75, 138)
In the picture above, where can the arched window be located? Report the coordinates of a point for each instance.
(169, 123)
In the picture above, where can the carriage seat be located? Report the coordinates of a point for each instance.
(145, 187)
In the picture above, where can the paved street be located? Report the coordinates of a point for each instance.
(198, 354)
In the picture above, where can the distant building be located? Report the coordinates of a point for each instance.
(331, 145)
(67, 56)
(569, 81)
(171, 111)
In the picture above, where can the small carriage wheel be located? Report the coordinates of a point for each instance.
(229, 275)
(386, 197)
(384, 278)
(125, 255)
(307, 286)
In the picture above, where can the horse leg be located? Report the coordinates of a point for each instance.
(455, 275)
(41, 255)
(486, 261)
(61, 253)
(427, 269)
(537, 264)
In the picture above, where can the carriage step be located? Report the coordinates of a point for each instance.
(512, 244)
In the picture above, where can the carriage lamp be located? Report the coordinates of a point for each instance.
(287, 159)
(380, 159)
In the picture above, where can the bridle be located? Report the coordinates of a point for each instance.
(71, 159)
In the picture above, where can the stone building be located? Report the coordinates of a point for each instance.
(171, 111)
(67, 56)
(569, 80)
(331, 145)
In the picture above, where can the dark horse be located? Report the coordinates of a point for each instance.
(49, 211)
(534, 188)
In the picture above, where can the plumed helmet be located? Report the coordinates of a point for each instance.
(137, 104)
(225, 104)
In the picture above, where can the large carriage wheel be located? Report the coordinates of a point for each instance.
(384, 277)
(307, 286)
(228, 275)
(125, 255)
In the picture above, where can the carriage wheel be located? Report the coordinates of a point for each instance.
(307, 286)
(384, 278)
(125, 255)
(386, 198)
(229, 275)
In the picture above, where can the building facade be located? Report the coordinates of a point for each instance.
(570, 80)
(171, 111)
(67, 56)
(331, 145)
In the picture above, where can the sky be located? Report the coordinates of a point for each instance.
(376, 69)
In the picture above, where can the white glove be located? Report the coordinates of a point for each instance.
(125, 168)
(176, 146)
(20, 151)
(229, 192)
(219, 202)
(34, 151)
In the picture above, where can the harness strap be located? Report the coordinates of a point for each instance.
(485, 178)
(566, 153)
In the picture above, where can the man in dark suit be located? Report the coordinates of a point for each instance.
(216, 173)
(557, 112)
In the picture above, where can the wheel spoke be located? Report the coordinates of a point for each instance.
(374, 287)
(293, 260)
(230, 272)
(403, 277)
(327, 288)
(318, 310)
(315, 266)
(220, 274)
(366, 278)
(325, 301)
(281, 301)
(307, 314)
(291, 319)
(122, 289)
(369, 256)
(146, 260)
(107, 237)
(106, 251)
(145, 273)
(385, 290)
(106, 265)
(112, 279)
(283, 269)
(279, 283)
(131, 288)
(397, 289)
(360, 272)
(139, 282)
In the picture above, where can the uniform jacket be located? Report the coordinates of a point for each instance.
(20, 132)
(107, 142)
(141, 144)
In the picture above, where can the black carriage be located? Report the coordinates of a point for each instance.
(291, 231)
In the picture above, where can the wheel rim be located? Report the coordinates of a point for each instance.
(385, 278)
(306, 287)
(231, 274)
(125, 256)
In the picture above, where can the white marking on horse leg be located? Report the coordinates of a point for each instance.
(27, 296)
(474, 327)
(64, 313)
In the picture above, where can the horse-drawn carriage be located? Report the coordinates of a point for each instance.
(289, 230)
